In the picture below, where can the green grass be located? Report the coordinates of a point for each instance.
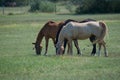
(14, 10)
(43, 17)
(19, 62)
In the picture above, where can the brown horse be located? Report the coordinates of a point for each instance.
(49, 30)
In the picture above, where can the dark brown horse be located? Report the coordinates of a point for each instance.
(49, 30)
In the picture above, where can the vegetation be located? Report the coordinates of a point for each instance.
(42, 6)
(99, 6)
(9, 3)
(19, 62)
(74, 6)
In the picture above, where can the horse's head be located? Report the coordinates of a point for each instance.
(59, 49)
(38, 48)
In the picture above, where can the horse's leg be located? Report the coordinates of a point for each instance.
(92, 39)
(65, 43)
(77, 47)
(68, 50)
(105, 50)
(47, 41)
(70, 47)
(99, 49)
(53, 41)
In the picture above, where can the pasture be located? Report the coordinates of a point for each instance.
(19, 62)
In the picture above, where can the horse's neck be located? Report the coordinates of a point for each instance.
(58, 32)
(60, 39)
(39, 37)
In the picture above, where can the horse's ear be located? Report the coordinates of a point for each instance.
(33, 43)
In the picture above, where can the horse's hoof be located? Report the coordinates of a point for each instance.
(38, 54)
(93, 54)
(106, 55)
(79, 54)
(45, 54)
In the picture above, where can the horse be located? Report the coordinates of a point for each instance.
(49, 30)
(74, 30)
(92, 37)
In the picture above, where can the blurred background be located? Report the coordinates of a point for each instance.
(59, 6)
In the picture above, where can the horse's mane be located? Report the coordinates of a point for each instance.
(86, 20)
(70, 20)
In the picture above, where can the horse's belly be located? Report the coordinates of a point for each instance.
(81, 36)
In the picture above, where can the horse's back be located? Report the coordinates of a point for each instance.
(90, 23)
(50, 29)
(74, 30)
(81, 30)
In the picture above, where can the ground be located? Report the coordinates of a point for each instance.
(19, 62)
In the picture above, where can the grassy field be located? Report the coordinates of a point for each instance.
(19, 62)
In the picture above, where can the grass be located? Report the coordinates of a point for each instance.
(19, 62)
(14, 10)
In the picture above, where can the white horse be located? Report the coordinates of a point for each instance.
(73, 30)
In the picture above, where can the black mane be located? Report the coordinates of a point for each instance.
(86, 20)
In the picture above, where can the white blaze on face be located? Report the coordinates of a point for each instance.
(59, 49)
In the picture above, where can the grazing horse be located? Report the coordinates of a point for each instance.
(92, 37)
(49, 30)
(74, 30)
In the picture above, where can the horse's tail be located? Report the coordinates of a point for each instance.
(103, 33)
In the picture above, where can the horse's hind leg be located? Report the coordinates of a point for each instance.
(99, 49)
(93, 53)
(93, 38)
(77, 47)
(105, 50)
(104, 46)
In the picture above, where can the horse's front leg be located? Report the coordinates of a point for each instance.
(70, 47)
(53, 39)
(65, 43)
(47, 41)
(77, 47)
